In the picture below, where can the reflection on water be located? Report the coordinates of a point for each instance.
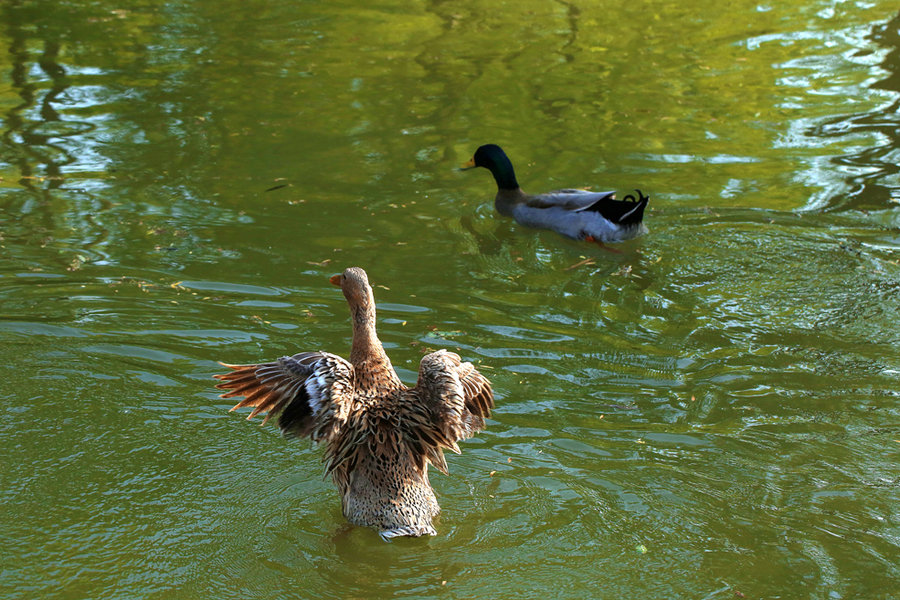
(710, 413)
(29, 141)
(32, 125)
(871, 171)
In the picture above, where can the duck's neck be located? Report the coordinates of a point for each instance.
(503, 173)
(508, 190)
(367, 355)
(506, 200)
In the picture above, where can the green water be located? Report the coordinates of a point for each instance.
(710, 414)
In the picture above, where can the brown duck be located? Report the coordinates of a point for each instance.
(379, 435)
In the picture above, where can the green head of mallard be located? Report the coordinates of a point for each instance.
(494, 159)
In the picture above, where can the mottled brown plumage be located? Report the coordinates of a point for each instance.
(379, 435)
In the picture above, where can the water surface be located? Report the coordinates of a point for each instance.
(711, 413)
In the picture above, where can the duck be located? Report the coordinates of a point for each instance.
(379, 435)
(577, 214)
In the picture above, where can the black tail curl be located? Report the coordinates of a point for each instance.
(641, 197)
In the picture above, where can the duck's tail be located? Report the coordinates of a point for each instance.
(635, 214)
(629, 211)
(407, 531)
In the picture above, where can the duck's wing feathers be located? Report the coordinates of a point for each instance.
(311, 392)
(454, 399)
(622, 212)
(568, 199)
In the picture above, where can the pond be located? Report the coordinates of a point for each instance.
(711, 412)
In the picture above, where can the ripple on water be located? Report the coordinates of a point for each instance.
(709, 413)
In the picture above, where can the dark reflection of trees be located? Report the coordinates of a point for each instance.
(872, 188)
(100, 112)
(25, 140)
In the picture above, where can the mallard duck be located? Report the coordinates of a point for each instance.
(577, 214)
(379, 435)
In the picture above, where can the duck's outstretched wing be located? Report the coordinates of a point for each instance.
(310, 392)
(454, 399)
